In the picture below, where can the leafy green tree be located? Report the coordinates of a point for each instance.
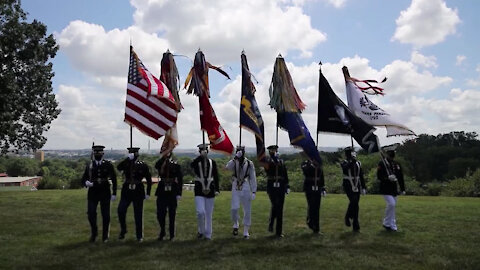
(22, 167)
(27, 104)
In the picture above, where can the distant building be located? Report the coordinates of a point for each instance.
(19, 181)
(3, 174)
(40, 155)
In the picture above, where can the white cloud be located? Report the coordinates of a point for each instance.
(460, 60)
(426, 61)
(105, 54)
(426, 22)
(222, 29)
(459, 110)
(475, 82)
(337, 3)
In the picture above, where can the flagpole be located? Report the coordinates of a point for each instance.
(131, 130)
(320, 72)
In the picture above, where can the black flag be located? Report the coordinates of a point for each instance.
(334, 116)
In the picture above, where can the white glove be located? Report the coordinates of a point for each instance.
(130, 156)
(324, 193)
(147, 197)
(253, 196)
(113, 198)
(288, 190)
(364, 191)
(392, 177)
(179, 197)
(217, 193)
(88, 184)
(403, 193)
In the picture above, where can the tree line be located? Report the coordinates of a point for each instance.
(446, 164)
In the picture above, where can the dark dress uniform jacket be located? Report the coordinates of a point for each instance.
(135, 171)
(309, 174)
(199, 164)
(276, 172)
(352, 169)
(171, 177)
(388, 187)
(100, 176)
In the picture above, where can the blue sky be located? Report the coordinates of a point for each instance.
(427, 48)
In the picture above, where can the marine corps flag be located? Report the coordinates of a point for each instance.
(250, 117)
(334, 116)
(197, 83)
(286, 101)
(361, 105)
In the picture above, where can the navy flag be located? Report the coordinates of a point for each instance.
(250, 117)
(334, 116)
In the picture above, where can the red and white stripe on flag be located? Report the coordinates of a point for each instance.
(151, 112)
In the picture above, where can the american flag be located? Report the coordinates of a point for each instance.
(150, 107)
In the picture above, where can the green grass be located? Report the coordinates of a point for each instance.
(49, 230)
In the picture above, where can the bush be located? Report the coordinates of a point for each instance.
(464, 187)
(51, 182)
(459, 187)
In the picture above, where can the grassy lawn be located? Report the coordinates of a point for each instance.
(49, 229)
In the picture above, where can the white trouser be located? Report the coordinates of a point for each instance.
(389, 219)
(243, 197)
(204, 207)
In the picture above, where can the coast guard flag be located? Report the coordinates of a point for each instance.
(150, 107)
(359, 103)
(250, 117)
(334, 116)
(286, 101)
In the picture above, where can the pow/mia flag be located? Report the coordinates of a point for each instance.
(334, 116)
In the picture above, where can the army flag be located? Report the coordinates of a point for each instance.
(250, 117)
(149, 106)
(361, 105)
(334, 116)
(197, 84)
(169, 76)
(288, 105)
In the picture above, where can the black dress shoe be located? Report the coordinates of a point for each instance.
(280, 235)
(92, 239)
(105, 240)
(172, 238)
(199, 235)
(387, 228)
(270, 227)
(235, 231)
(121, 236)
(139, 240)
(161, 236)
(347, 222)
(356, 226)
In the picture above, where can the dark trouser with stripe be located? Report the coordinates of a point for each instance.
(165, 205)
(313, 211)
(137, 211)
(92, 216)
(353, 208)
(276, 199)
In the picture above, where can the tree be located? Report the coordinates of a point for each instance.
(27, 104)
